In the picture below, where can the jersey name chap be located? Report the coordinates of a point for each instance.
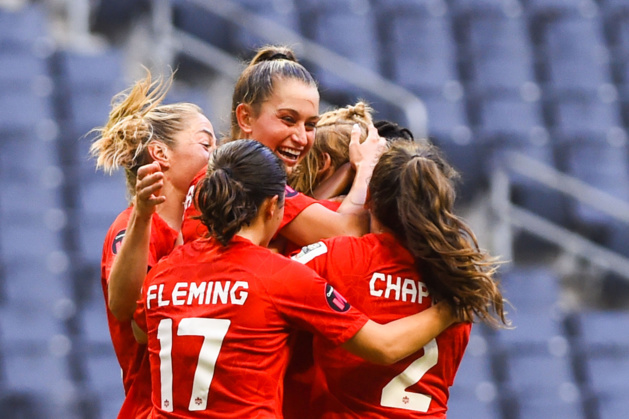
(387, 286)
(191, 293)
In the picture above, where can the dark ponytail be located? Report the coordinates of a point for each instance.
(241, 175)
(412, 194)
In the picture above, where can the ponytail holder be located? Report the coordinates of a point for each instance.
(279, 56)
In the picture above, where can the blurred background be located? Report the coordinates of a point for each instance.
(529, 99)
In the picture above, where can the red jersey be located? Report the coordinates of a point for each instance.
(133, 357)
(218, 321)
(191, 229)
(379, 277)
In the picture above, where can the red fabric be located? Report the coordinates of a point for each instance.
(347, 386)
(133, 357)
(191, 229)
(268, 296)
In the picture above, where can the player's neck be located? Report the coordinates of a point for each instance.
(172, 209)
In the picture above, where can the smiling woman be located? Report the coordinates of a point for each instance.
(161, 148)
(276, 102)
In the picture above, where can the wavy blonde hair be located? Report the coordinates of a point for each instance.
(333, 135)
(138, 118)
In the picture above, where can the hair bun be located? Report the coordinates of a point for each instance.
(273, 53)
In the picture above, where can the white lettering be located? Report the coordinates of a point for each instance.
(208, 293)
(160, 301)
(196, 291)
(372, 284)
(393, 287)
(191, 293)
(409, 289)
(178, 292)
(422, 292)
(222, 292)
(150, 295)
(242, 296)
(399, 289)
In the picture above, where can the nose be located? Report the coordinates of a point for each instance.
(299, 136)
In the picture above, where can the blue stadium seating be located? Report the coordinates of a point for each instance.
(575, 54)
(282, 12)
(611, 177)
(499, 53)
(420, 50)
(347, 30)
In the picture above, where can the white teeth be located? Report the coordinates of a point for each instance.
(290, 152)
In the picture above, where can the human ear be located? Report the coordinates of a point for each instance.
(159, 153)
(271, 207)
(324, 165)
(244, 116)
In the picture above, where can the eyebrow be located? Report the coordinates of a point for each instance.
(207, 131)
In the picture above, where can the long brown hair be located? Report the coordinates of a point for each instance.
(333, 135)
(412, 194)
(241, 175)
(137, 118)
(257, 81)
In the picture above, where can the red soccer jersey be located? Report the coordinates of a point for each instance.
(218, 321)
(192, 229)
(133, 357)
(379, 277)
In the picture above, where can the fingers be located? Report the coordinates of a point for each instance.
(149, 182)
(355, 135)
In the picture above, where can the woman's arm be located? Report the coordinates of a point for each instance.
(389, 343)
(131, 263)
(317, 222)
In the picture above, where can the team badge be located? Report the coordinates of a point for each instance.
(310, 252)
(289, 192)
(336, 300)
(118, 241)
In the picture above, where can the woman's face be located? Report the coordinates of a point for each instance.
(192, 150)
(286, 121)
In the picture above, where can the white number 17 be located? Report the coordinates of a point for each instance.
(213, 332)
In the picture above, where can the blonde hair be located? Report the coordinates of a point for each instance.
(333, 135)
(136, 119)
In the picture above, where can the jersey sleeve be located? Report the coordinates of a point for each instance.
(308, 302)
(294, 203)
(191, 228)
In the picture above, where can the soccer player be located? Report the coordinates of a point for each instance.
(418, 252)
(218, 311)
(161, 147)
(276, 102)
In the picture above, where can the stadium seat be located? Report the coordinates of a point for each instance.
(349, 31)
(611, 177)
(22, 29)
(544, 386)
(281, 12)
(530, 289)
(202, 23)
(575, 55)
(420, 50)
(498, 53)
(588, 118)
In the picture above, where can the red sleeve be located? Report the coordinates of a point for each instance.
(294, 203)
(162, 241)
(310, 303)
(192, 229)
(331, 205)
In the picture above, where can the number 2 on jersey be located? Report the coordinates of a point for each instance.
(213, 332)
(394, 394)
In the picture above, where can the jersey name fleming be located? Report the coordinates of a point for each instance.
(191, 293)
(385, 286)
